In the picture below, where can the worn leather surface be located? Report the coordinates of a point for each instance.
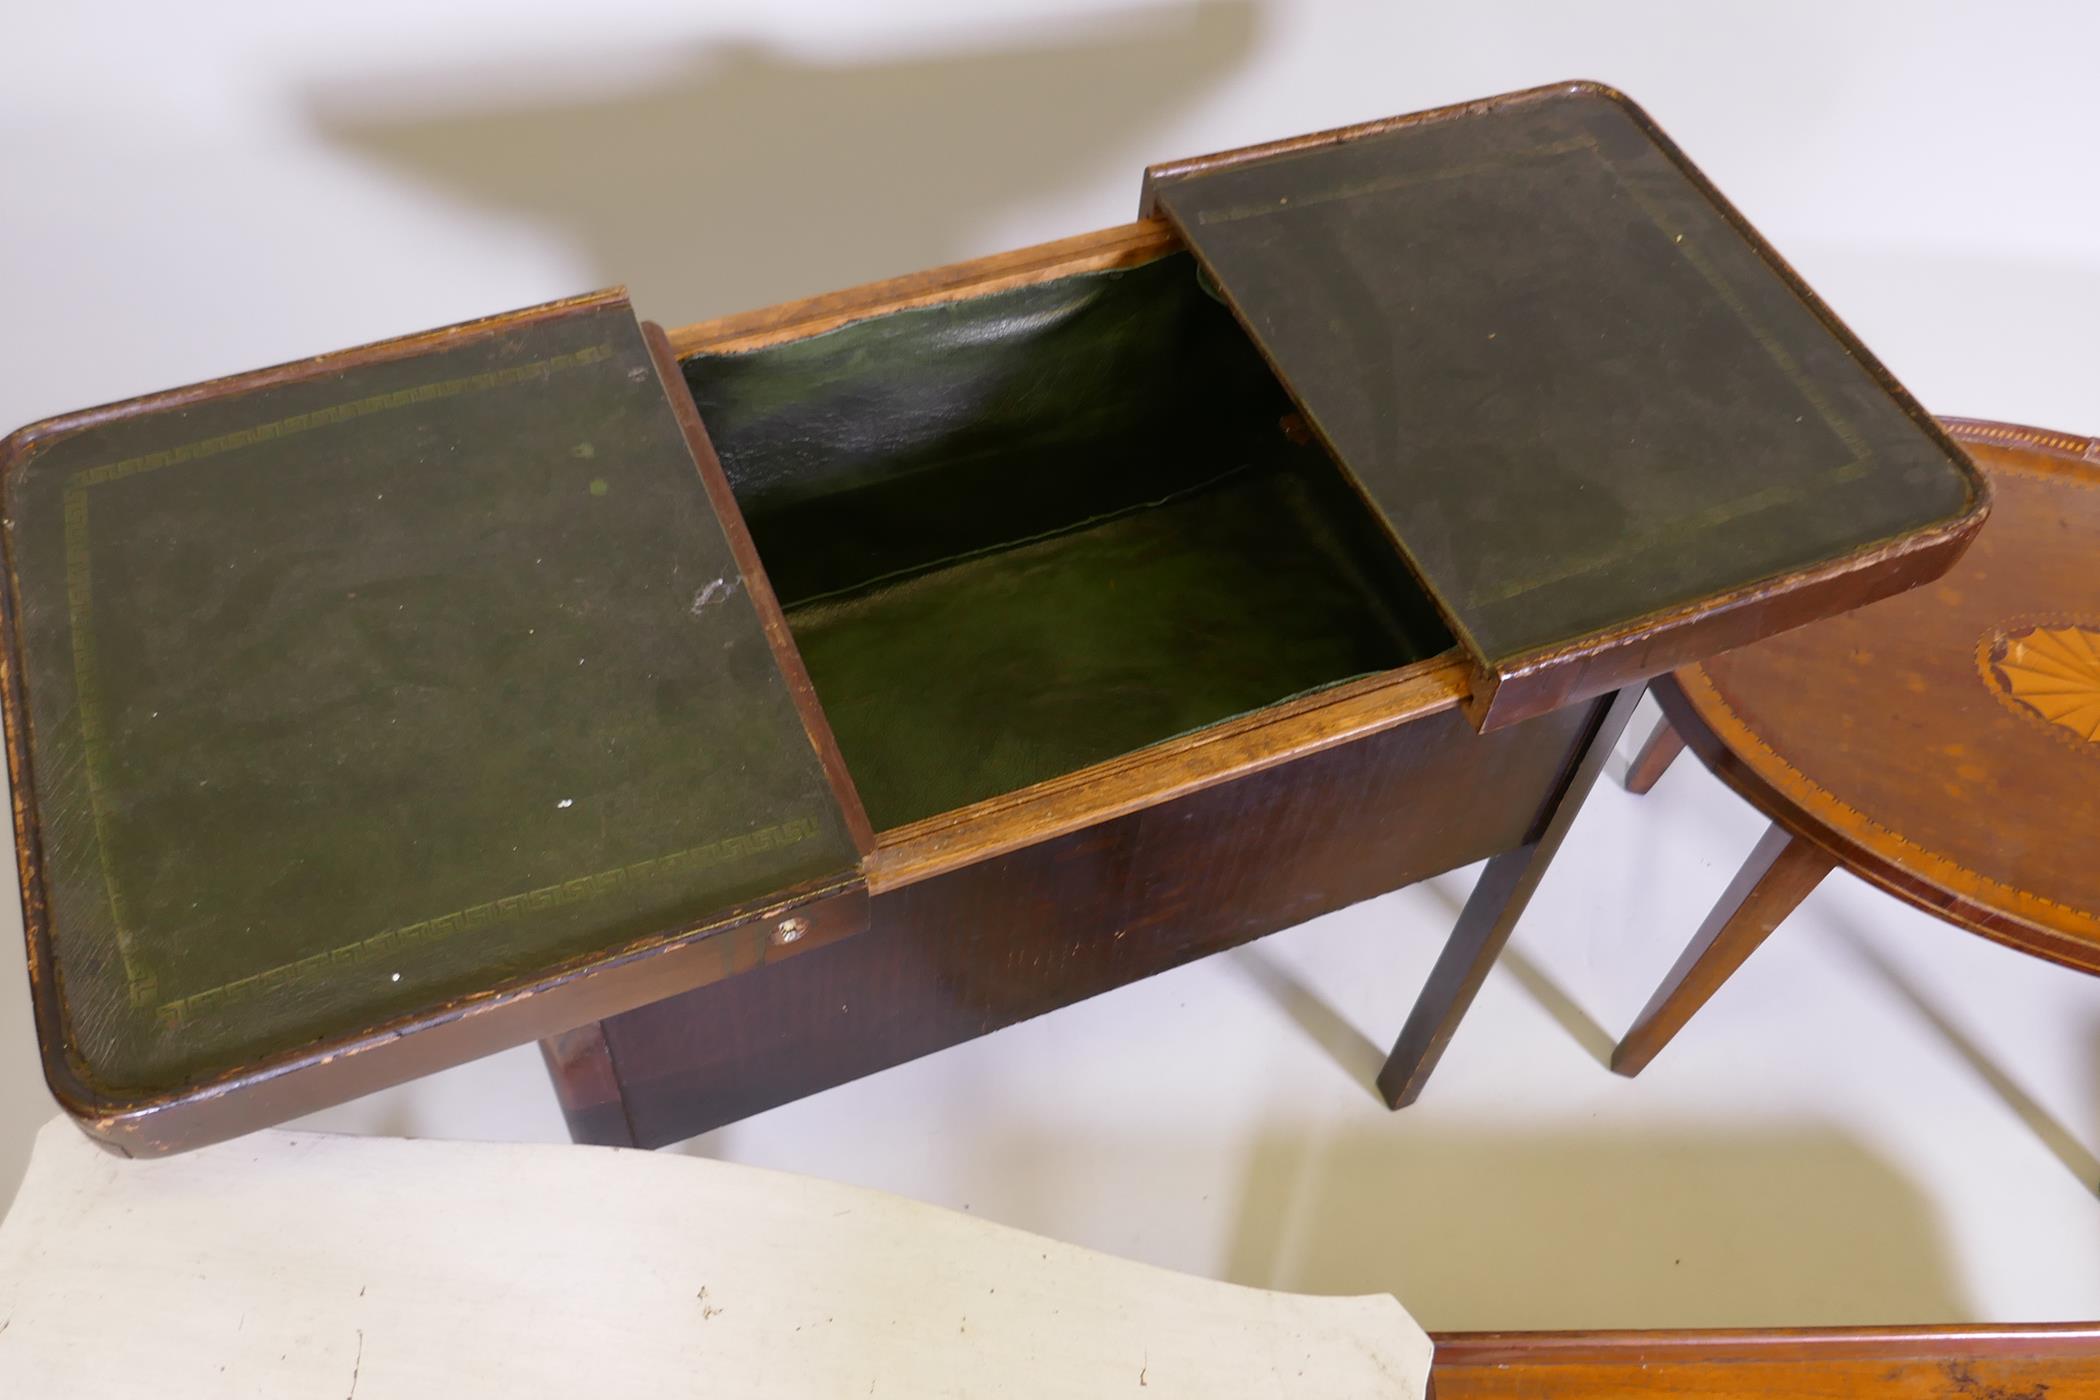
(349, 695)
(1581, 395)
(1027, 532)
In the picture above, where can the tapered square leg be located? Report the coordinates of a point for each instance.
(1772, 883)
(1497, 902)
(1655, 757)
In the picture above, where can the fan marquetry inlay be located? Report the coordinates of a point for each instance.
(2051, 671)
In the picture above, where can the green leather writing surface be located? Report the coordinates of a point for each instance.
(352, 694)
(1579, 394)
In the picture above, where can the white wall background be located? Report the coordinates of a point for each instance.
(1880, 1120)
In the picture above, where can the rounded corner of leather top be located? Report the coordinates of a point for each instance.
(90, 1109)
(1596, 90)
(104, 1112)
(114, 1120)
(1982, 496)
(17, 450)
(1978, 495)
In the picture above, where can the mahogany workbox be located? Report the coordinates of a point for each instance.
(742, 709)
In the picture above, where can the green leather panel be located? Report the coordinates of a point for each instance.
(1004, 669)
(350, 695)
(1577, 391)
(1027, 532)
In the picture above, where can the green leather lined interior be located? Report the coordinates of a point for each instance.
(1022, 533)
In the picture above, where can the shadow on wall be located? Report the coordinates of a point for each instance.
(747, 175)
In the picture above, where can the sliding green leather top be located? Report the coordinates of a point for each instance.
(392, 683)
(1579, 392)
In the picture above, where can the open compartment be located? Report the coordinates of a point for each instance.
(373, 712)
(1022, 532)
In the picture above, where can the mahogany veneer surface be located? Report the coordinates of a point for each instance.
(1946, 743)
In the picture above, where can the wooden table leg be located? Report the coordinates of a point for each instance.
(1492, 911)
(1771, 884)
(1655, 757)
(580, 1064)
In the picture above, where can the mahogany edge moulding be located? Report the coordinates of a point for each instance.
(2061, 1360)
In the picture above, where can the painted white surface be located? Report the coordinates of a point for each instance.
(1879, 1119)
(304, 1264)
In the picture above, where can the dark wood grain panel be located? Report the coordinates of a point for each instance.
(963, 953)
